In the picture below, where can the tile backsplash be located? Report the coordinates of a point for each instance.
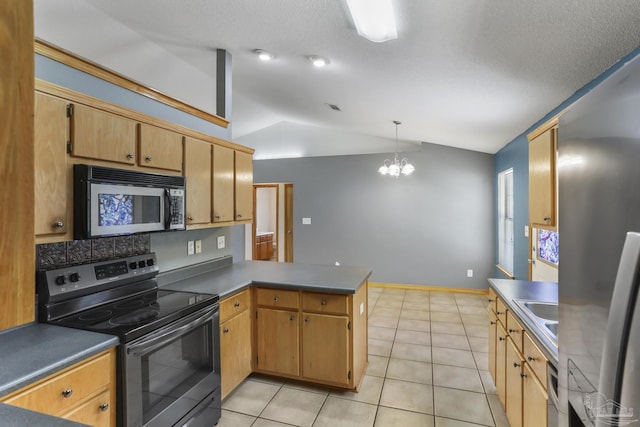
(61, 254)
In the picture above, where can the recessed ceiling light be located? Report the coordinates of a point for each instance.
(318, 61)
(264, 55)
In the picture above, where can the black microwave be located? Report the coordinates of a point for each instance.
(111, 202)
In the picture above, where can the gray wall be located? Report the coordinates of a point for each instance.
(425, 229)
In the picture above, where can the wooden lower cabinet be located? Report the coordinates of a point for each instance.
(85, 392)
(325, 348)
(278, 341)
(514, 364)
(235, 351)
(500, 378)
(493, 328)
(535, 400)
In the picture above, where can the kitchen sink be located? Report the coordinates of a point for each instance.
(543, 310)
(543, 314)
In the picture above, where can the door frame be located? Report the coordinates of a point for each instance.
(254, 224)
(288, 222)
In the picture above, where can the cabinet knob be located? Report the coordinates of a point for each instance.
(148, 158)
(546, 219)
(501, 338)
(516, 364)
(513, 331)
(276, 299)
(67, 392)
(239, 215)
(104, 407)
(225, 330)
(190, 218)
(523, 375)
(492, 322)
(490, 300)
(323, 302)
(531, 358)
(129, 155)
(217, 216)
(58, 224)
(307, 320)
(288, 231)
(499, 313)
(292, 318)
(236, 304)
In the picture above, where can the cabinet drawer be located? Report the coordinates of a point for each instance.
(95, 412)
(234, 304)
(77, 383)
(493, 298)
(325, 303)
(536, 359)
(501, 312)
(277, 298)
(515, 331)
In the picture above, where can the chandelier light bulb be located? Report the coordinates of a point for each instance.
(396, 167)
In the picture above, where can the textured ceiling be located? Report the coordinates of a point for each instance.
(472, 74)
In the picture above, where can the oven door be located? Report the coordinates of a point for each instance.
(173, 374)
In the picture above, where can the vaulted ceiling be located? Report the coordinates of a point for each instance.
(472, 74)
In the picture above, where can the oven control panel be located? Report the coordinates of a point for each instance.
(70, 281)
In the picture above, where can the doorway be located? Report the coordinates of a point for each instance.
(272, 229)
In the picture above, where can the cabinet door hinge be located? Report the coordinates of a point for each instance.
(349, 326)
(256, 314)
(69, 147)
(257, 360)
(349, 375)
(69, 110)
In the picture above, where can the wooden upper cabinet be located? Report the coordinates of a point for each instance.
(222, 184)
(96, 134)
(244, 186)
(197, 170)
(52, 174)
(542, 178)
(159, 148)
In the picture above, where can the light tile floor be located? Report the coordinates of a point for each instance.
(427, 367)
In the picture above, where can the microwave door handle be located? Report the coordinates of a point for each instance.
(167, 209)
(152, 343)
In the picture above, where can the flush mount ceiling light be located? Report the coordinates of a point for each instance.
(396, 167)
(264, 55)
(374, 19)
(318, 61)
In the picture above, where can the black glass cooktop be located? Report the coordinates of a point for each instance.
(132, 317)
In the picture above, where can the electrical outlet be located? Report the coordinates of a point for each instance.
(221, 242)
(469, 273)
(198, 246)
(190, 247)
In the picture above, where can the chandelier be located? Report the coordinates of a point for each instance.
(396, 167)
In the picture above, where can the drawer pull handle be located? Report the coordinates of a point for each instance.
(58, 224)
(516, 364)
(104, 407)
(225, 330)
(129, 155)
(148, 158)
(236, 304)
(276, 299)
(67, 392)
(531, 358)
(323, 302)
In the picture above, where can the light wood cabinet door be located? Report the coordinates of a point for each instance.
(325, 348)
(514, 366)
(96, 134)
(542, 179)
(535, 400)
(197, 170)
(501, 348)
(52, 173)
(96, 412)
(159, 148)
(235, 351)
(222, 184)
(243, 186)
(493, 328)
(277, 341)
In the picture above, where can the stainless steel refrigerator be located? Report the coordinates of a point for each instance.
(599, 272)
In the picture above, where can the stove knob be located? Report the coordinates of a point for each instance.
(133, 265)
(74, 277)
(61, 280)
(141, 264)
(150, 262)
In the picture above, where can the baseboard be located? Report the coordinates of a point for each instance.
(428, 288)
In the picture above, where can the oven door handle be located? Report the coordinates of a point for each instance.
(152, 343)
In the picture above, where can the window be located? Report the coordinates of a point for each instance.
(505, 220)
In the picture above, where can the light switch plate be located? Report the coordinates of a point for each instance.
(306, 221)
(526, 231)
(198, 246)
(221, 242)
(190, 247)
